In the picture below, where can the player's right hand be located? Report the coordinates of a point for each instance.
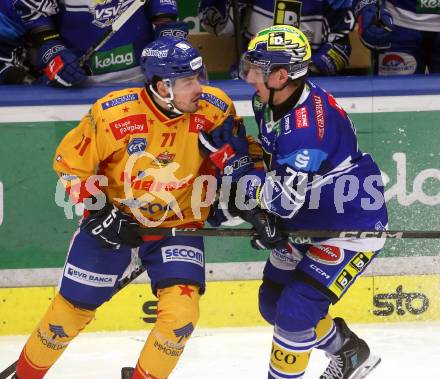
(228, 148)
(268, 236)
(112, 228)
(60, 65)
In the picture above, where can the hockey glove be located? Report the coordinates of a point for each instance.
(375, 24)
(228, 148)
(59, 64)
(112, 228)
(178, 29)
(268, 236)
(331, 58)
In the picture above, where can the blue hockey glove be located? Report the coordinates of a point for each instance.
(112, 228)
(331, 58)
(375, 25)
(60, 65)
(228, 148)
(178, 29)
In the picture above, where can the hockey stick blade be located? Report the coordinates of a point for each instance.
(114, 27)
(6, 373)
(306, 235)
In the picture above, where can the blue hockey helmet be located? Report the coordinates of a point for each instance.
(168, 59)
(171, 58)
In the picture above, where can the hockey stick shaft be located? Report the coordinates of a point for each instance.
(114, 27)
(237, 30)
(225, 232)
(6, 373)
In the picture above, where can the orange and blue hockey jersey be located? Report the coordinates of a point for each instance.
(151, 162)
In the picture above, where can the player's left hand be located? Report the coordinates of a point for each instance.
(228, 148)
(112, 228)
(375, 27)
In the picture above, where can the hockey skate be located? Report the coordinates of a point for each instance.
(353, 360)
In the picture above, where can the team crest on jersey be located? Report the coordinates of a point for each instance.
(106, 11)
(136, 146)
(163, 159)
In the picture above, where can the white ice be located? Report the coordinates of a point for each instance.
(408, 351)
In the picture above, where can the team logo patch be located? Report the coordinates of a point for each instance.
(136, 145)
(181, 253)
(184, 332)
(214, 100)
(319, 116)
(328, 255)
(302, 118)
(134, 124)
(163, 159)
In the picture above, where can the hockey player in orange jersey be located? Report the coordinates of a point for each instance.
(133, 161)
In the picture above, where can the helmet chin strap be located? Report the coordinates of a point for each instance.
(169, 99)
(273, 90)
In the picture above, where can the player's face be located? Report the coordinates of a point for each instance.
(187, 92)
(255, 77)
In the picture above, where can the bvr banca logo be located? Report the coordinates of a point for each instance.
(400, 302)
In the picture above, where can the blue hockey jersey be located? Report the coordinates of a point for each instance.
(83, 22)
(316, 140)
(415, 14)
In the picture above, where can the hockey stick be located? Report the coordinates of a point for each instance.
(237, 30)
(114, 27)
(6, 373)
(297, 236)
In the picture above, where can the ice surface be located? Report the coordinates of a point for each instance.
(408, 351)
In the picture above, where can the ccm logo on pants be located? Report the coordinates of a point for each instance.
(180, 253)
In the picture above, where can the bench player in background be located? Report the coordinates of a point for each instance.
(412, 44)
(144, 141)
(316, 178)
(325, 23)
(62, 31)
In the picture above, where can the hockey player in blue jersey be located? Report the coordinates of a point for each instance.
(62, 31)
(316, 178)
(414, 41)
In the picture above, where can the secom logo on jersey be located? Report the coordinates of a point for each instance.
(181, 253)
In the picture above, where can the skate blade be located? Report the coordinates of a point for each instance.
(369, 365)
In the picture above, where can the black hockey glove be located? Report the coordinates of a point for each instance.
(268, 235)
(112, 228)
